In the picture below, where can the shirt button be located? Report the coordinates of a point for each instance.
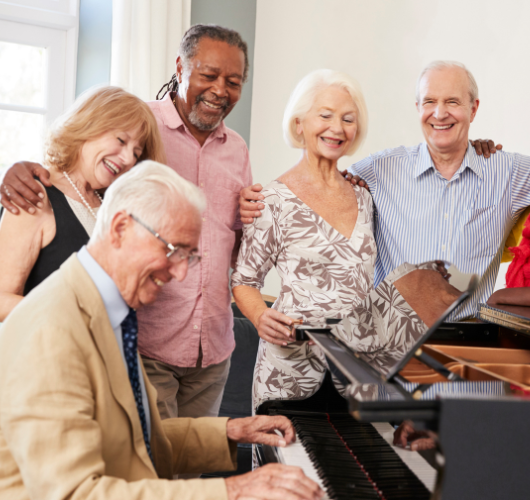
(446, 216)
(204, 219)
(202, 185)
(443, 248)
(195, 327)
(205, 253)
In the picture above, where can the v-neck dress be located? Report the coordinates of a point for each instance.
(323, 275)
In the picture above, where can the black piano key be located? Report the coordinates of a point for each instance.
(354, 461)
(388, 471)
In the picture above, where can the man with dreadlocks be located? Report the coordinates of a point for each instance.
(186, 337)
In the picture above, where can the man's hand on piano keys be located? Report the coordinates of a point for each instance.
(261, 429)
(419, 440)
(273, 482)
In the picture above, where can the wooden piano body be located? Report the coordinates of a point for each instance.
(477, 351)
(483, 447)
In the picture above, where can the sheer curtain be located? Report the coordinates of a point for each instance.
(145, 38)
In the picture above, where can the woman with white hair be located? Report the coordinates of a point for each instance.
(316, 229)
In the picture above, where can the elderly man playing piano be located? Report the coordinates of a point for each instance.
(440, 199)
(78, 415)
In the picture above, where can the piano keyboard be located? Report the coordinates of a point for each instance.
(349, 459)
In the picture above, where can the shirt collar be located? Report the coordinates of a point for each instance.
(473, 161)
(173, 120)
(171, 116)
(424, 161)
(117, 309)
(219, 132)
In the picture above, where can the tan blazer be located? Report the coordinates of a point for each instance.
(69, 427)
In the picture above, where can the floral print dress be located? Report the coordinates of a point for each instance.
(323, 274)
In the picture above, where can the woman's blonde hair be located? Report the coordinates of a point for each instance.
(95, 113)
(304, 95)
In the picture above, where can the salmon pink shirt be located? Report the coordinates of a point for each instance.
(197, 310)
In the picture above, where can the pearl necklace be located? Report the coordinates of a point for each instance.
(82, 197)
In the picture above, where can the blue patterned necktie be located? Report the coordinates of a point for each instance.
(129, 330)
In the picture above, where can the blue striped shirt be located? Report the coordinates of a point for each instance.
(422, 216)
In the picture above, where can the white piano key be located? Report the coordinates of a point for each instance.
(295, 454)
(416, 463)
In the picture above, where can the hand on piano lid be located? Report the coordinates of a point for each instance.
(261, 429)
(273, 481)
(419, 440)
(275, 327)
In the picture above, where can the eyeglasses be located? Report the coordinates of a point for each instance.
(176, 254)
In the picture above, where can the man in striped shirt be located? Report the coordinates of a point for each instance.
(440, 199)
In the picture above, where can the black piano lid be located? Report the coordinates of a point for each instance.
(352, 367)
(346, 365)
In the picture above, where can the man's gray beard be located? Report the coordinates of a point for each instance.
(196, 121)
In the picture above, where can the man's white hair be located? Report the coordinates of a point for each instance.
(149, 191)
(304, 95)
(436, 65)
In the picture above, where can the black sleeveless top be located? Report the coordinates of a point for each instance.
(70, 236)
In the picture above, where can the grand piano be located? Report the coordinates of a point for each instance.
(465, 383)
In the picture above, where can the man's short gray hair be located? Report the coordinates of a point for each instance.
(149, 191)
(304, 95)
(473, 87)
(192, 37)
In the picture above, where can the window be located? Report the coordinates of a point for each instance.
(37, 74)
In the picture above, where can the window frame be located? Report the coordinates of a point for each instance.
(56, 27)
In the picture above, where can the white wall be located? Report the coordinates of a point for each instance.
(384, 45)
